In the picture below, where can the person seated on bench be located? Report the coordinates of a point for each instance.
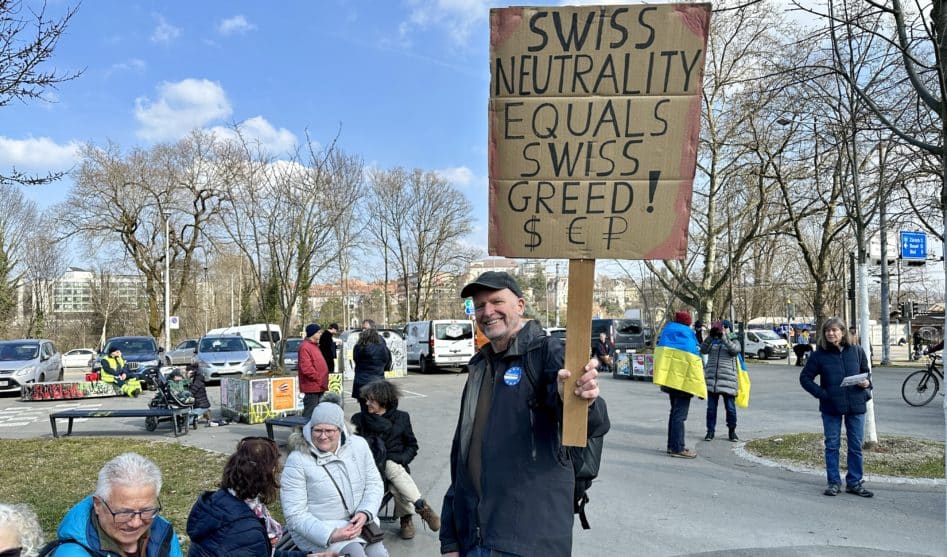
(234, 519)
(330, 485)
(123, 516)
(388, 432)
(114, 370)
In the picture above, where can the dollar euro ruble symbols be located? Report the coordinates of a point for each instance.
(530, 228)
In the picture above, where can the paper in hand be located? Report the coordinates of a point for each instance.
(854, 379)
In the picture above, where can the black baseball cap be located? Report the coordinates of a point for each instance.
(492, 280)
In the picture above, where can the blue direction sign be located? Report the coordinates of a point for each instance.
(913, 245)
(468, 306)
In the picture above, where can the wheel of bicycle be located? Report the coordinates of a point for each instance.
(919, 388)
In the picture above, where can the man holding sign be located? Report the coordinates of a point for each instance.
(511, 487)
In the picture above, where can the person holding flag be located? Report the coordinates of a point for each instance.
(680, 372)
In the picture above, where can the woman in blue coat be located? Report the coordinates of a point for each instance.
(233, 520)
(836, 358)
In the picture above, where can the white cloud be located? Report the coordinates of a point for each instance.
(459, 176)
(164, 33)
(235, 24)
(181, 107)
(258, 130)
(134, 65)
(457, 17)
(38, 154)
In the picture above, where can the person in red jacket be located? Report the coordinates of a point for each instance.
(313, 371)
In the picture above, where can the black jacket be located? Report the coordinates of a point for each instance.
(327, 347)
(526, 474)
(222, 525)
(371, 361)
(831, 365)
(199, 389)
(394, 429)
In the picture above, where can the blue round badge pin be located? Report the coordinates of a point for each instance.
(513, 375)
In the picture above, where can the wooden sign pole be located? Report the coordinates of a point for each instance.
(575, 415)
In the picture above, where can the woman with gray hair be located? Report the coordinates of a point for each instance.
(20, 532)
(123, 515)
(835, 359)
(331, 488)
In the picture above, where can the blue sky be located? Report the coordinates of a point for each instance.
(406, 81)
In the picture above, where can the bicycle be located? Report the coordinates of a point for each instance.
(921, 387)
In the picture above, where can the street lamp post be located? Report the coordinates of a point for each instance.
(167, 280)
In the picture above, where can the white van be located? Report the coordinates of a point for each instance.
(764, 344)
(255, 331)
(439, 343)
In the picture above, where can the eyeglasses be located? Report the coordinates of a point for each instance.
(328, 432)
(122, 517)
(12, 552)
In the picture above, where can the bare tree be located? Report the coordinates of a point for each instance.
(122, 200)
(28, 39)
(281, 214)
(18, 217)
(419, 219)
(43, 265)
(732, 190)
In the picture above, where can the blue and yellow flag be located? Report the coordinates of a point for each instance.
(677, 362)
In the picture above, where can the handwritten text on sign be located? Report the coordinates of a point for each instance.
(594, 121)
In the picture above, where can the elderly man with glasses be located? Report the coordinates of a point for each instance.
(122, 516)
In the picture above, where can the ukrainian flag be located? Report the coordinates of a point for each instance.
(677, 362)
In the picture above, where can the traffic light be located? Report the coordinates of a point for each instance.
(907, 312)
(913, 309)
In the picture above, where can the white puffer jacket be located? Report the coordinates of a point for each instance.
(312, 506)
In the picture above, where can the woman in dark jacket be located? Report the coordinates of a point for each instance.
(233, 520)
(372, 358)
(835, 359)
(388, 431)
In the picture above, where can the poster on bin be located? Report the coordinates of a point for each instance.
(594, 121)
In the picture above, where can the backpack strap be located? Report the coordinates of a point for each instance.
(51, 547)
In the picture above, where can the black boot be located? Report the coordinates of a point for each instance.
(709, 436)
(733, 434)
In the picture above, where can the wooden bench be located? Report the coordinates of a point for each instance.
(173, 413)
(284, 421)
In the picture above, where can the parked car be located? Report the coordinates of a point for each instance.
(622, 335)
(291, 354)
(78, 358)
(439, 343)
(223, 355)
(764, 344)
(182, 354)
(28, 361)
(268, 335)
(262, 355)
(137, 351)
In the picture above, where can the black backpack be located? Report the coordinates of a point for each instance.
(52, 546)
(585, 460)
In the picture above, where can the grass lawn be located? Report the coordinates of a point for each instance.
(51, 475)
(893, 456)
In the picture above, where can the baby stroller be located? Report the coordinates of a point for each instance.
(166, 397)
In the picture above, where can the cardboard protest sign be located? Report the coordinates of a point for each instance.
(594, 122)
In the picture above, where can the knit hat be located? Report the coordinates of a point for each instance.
(327, 412)
(718, 325)
(683, 318)
(312, 329)
(726, 324)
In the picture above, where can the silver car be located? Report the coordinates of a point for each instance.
(28, 361)
(223, 355)
(182, 354)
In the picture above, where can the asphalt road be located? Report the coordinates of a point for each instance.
(644, 503)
